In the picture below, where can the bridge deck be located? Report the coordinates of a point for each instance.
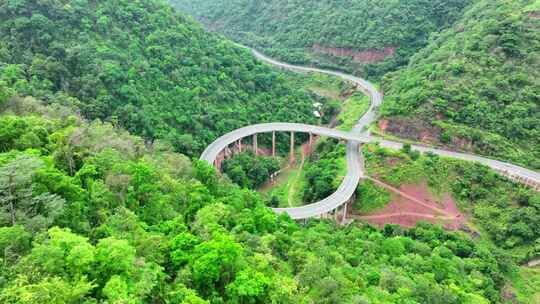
(355, 162)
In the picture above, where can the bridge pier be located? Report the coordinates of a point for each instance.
(310, 145)
(344, 216)
(292, 149)
(228, 153)
(273, 143)
(255, 148)
(218, 162)
(239, 143)
(521, 180)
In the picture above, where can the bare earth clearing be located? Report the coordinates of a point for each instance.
(412, 203)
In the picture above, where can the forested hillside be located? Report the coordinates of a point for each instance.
(369, 36)
(97, 205)
(476, 86)
(89, 214)
(141, 65)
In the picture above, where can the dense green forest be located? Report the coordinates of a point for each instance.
(250, 171)
(89, 213)
(97, 204)
(299, 31)
(324, 172)
(140, 65)
(475, 87)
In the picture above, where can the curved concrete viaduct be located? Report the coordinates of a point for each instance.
(344, 192)
(359, 134)
(211, 152)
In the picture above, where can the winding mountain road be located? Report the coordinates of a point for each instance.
(359, 134)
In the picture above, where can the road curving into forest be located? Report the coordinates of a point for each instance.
(359, 134)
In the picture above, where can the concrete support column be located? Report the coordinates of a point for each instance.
(310, 146)
(336, 215)
(344, 217)
(240, 145)
(274, 144)
(218, 161)
(255, 148)
(292, 148)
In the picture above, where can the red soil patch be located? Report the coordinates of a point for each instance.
(383, 124)
(411, 128)
(413, 203)
(368, 56)
(393, 161)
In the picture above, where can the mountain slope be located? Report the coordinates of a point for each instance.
(140, 64)
(90, 214)
(366, 35)
(476, 86)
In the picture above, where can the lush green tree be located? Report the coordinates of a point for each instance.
(322, 175)
(250, 171)
(123, 275)
(20, 205)
(215, 263)
(14, 243)
(49, 290)
(179, 293)
(249, 286)
(181, 247)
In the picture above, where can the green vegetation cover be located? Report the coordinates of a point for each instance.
(507, 214)
(90, 214)
(141, 65)
(249, 170)
(476, 86)
(380, 35)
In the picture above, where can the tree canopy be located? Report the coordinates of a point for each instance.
(475, 86)
(293, 30)
(103, 220)
(140, 65)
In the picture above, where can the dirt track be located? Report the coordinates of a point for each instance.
(413, 203)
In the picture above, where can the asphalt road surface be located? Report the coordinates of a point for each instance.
(359, 134)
